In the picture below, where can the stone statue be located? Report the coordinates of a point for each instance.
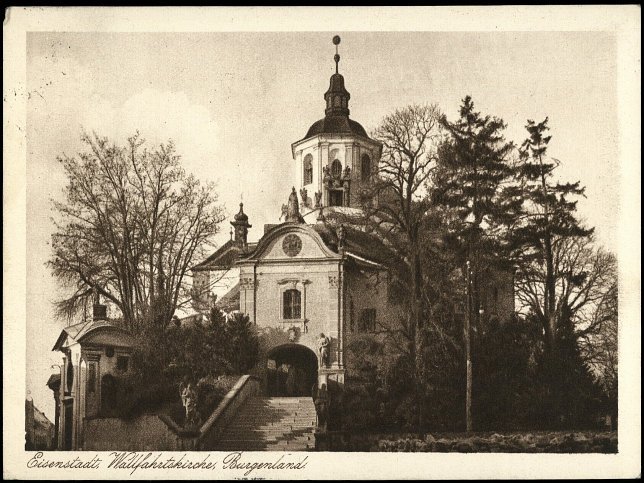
(305, 197)
(347, 173)
(318, 199)
(326, 174)
(342, 236)
(293, 208)
(323, 350)
(284, 212)
(189, 401)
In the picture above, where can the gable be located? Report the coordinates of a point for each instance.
(294, 246)
(290, 242)
(108, 337)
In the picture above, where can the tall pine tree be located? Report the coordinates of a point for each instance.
(548, 214)
(473, 169)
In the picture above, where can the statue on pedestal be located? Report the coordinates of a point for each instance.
(323, 350)
(189, 401)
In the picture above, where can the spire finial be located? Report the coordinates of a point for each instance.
(336, 57)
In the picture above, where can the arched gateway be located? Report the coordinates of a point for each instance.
(292, 370)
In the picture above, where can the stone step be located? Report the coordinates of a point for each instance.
(273, 414)
(271, 419)
(267, 438)
(271, 424)
(269, 429)
(293, 410)
(264, 447)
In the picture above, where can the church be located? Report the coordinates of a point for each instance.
(316, 279)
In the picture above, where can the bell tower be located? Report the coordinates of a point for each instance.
(336, 161)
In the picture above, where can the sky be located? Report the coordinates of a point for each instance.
(234, 102)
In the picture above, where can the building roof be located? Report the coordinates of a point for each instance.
(336, 125)
(223, 258)
(367, 246)
(80, 331)
(230, 301)
(53, 381)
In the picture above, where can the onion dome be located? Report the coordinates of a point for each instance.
(336, 115)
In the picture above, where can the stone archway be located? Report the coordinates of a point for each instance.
(292, 371)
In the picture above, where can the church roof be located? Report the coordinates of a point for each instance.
(367, 246)
(230, 301)
(223, 258)
(336, 125)
(336, 119)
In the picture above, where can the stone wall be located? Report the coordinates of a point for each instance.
(148, 432)
(159, 433)
(246, 387)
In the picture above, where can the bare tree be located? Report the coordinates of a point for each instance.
(410, 141)
(131, 226)
(395, 207)
(584, 278)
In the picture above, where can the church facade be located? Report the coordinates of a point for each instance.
(313, 280)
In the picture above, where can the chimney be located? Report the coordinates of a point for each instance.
(99, 311)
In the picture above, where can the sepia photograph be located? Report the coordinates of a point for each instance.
(248, 247)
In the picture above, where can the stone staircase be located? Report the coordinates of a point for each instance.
(271, 424)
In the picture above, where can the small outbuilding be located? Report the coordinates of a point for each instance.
(96, 354)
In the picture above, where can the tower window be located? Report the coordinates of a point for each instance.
(365, 166)
(336, 169)
(308, 169)
(292, 307)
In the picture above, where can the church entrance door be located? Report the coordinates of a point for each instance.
(292, 371)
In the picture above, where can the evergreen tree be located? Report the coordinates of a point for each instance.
(472, 170)
(242, 343)
(547, 214)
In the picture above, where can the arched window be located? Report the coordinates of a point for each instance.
(365, 167)
(336, 169)
(308, 169)
(292, 304)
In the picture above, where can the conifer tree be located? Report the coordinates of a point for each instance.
(547, 215)
(472, 171)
